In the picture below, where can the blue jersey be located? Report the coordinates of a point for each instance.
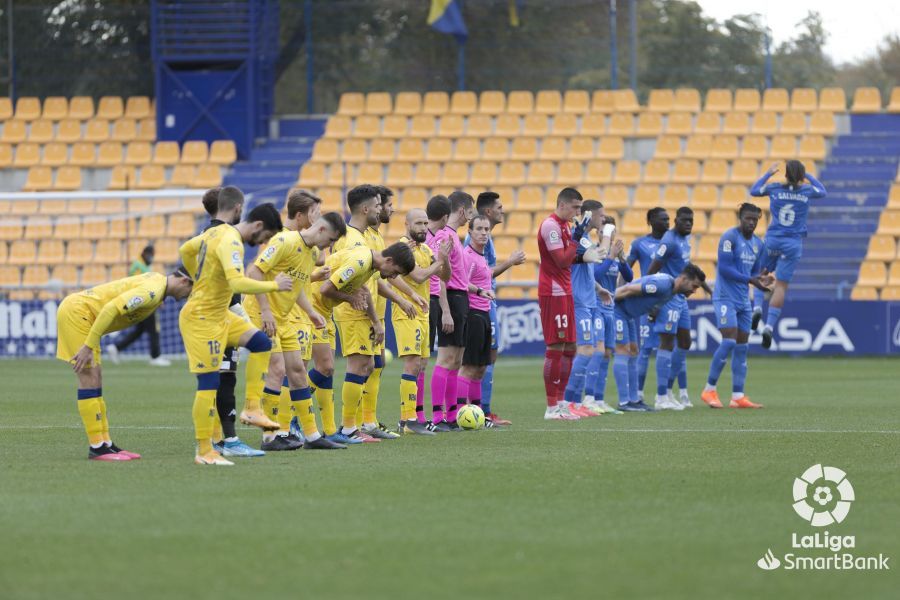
(607, 275)
(656, 290)
(674, 252)
(789, 205)
(642, 251)
(739, 259)
(583, 291)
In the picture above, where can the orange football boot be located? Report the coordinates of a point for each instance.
(711, 398)
(743, 402)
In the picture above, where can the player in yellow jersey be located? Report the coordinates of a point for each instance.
(292, 252)
(216, 259)
(83, 318)
(413, 342)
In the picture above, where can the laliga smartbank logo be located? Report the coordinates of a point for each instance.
(822, 497)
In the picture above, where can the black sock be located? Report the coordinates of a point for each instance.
(225, 403)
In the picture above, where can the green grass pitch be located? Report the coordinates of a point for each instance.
(674, 505)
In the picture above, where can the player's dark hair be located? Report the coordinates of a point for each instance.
(748, 207)
(684, 210)
(181, 271)
(229, 197)
(211, 200)
(361, 194)
(478, 218)
(148, 249)
(402, 256)
(591, 205)
(568, 195)
(268, 214)
(486, 201)
(460, 199)
(794, 172)
(651, 214)
(335, 220)
(692, 271)
(437, 208)
(384, 193)
(300, 201)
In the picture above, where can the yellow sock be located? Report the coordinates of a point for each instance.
(301, 402)
(217, 434)
(204, 413)
(370, 396)
(91, 416)
(270, 401)
(408, 390)
(257, 367)
(351, 394)
(325, 400)
(104, 421)
(285, 409)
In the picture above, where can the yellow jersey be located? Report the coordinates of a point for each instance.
(134, 299)
(286, 253)
(356, 239)
(351, 269)
(376, 242)
(424, 259)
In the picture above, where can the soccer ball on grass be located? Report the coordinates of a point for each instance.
(470, 417)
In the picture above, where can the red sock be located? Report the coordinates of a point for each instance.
(564, 370)
(552, 375)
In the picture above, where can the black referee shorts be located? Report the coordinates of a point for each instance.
(459, 310)
(478, 339)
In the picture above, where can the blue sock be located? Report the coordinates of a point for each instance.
(591, 374)
(719, 359)
(487, 389)
(575, 386)
(682, 376)
(772, 317)
(663, 364)
(678, 357)
(600, 389)
(620, 372)
(739, 368)
(632, 379)
(643, 365)
(759, 298)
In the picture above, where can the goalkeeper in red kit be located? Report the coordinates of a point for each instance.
(559, 248)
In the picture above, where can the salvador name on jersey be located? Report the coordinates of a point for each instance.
(789, 205)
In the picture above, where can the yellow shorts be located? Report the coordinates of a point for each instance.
(325, 336)
(357, 337)
(412, 337)
(305, 337)
(73, 323)
(287, 333)
(206, 339)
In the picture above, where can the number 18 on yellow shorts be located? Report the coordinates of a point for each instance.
(206, 339)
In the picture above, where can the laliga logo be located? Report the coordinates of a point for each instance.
(822, 495)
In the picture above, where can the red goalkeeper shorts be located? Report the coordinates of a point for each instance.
(557, 319)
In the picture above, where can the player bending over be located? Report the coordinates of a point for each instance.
(789, 205)
(740, 263)
(83, 318)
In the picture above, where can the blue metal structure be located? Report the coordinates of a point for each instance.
(214, 65)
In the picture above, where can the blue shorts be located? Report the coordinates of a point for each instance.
(586, 322)
(626, 329)
(649, 338)
(493, 316)
(605, 328)
(673, 315)
(782, 255)
(730, 315)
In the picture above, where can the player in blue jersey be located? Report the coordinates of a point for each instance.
(642, 251)
(673, 323)
(489, 205)
(641, 297)
(789, 205)
(588, 318)
(740, 263)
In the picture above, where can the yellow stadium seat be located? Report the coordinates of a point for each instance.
(505, 245)
(725, 146)
(13, 131)
(110, 108)
(109, 153)
(611, 148)
(453, 174)
(581, 148)
(715, 170)
(181, 225)
(124, 130)
(894, 197)
(508, 125)
(625, 101)
(441, 150)
(804, 99)
(890, 222)
(436, 103)
(700, 223)
(552, 148)
(675, 195)
(628, 172)
(687, 99)
(570, 172)
(411, 150)
(366, 126)
(463, 103)
(27, 155)
(602, 102)
(764, 123)
(68, 131)
(110, 251)
(451, 126)
(872, 273)
(882, 247)
(775, 100)
(646, 196)
(539, 173)
(704, 197)
(548, 102)
(662, 101)
(812, 147)
(708, 248)
(312, 175)
(511, 173)
(35, 275)
(79, 252)
(484, 174)
(208, 176)
(718, 100)
(139, 205)
(736, 123)
(520, 102)
(6, 156)
(399, 174)
(394, 126)
(593, 124)
(151, 177)
(351, 104)
(21, 252)
(139, 153)
(518, 224)
(96, 130)
(81, 108)
(52, 206)
(10, 229)
(28, 108)
(93, 274)
(754, 146)
(721, 221)
(634, 223)
(687, 170)
(38, 228)
(6, 111)
(168, 154)
(338, 126)
(408, 103)
(24, 207)
(867, 293)
(166, 250)
(565, 124)
(368, 172)
(479, 126)
(679, 124)
(182, 176)
(340, 173)
(668, 146)
(744, 171)
(428, 175)
(378, 103)
(50, 252)
(492, 102)
(894, 101)
(865, 100)
(783, 147)
(95, 229)
(576, 101)
(412, 197)
(138, 107)
(469, 149)
(40, 131)
(55, 155)
(423, 126)
(708, 123)
(123, 177)
(649, 125)
(38, 179)
(530, 198)
(822, 123)
(833, 100)
(598, 172)
(621, 124)
(656, 171)
(746, 100)
(524, 148)
(193, 153)
(325, 150)
(793, 122)
(891, 293)
(698, 146)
